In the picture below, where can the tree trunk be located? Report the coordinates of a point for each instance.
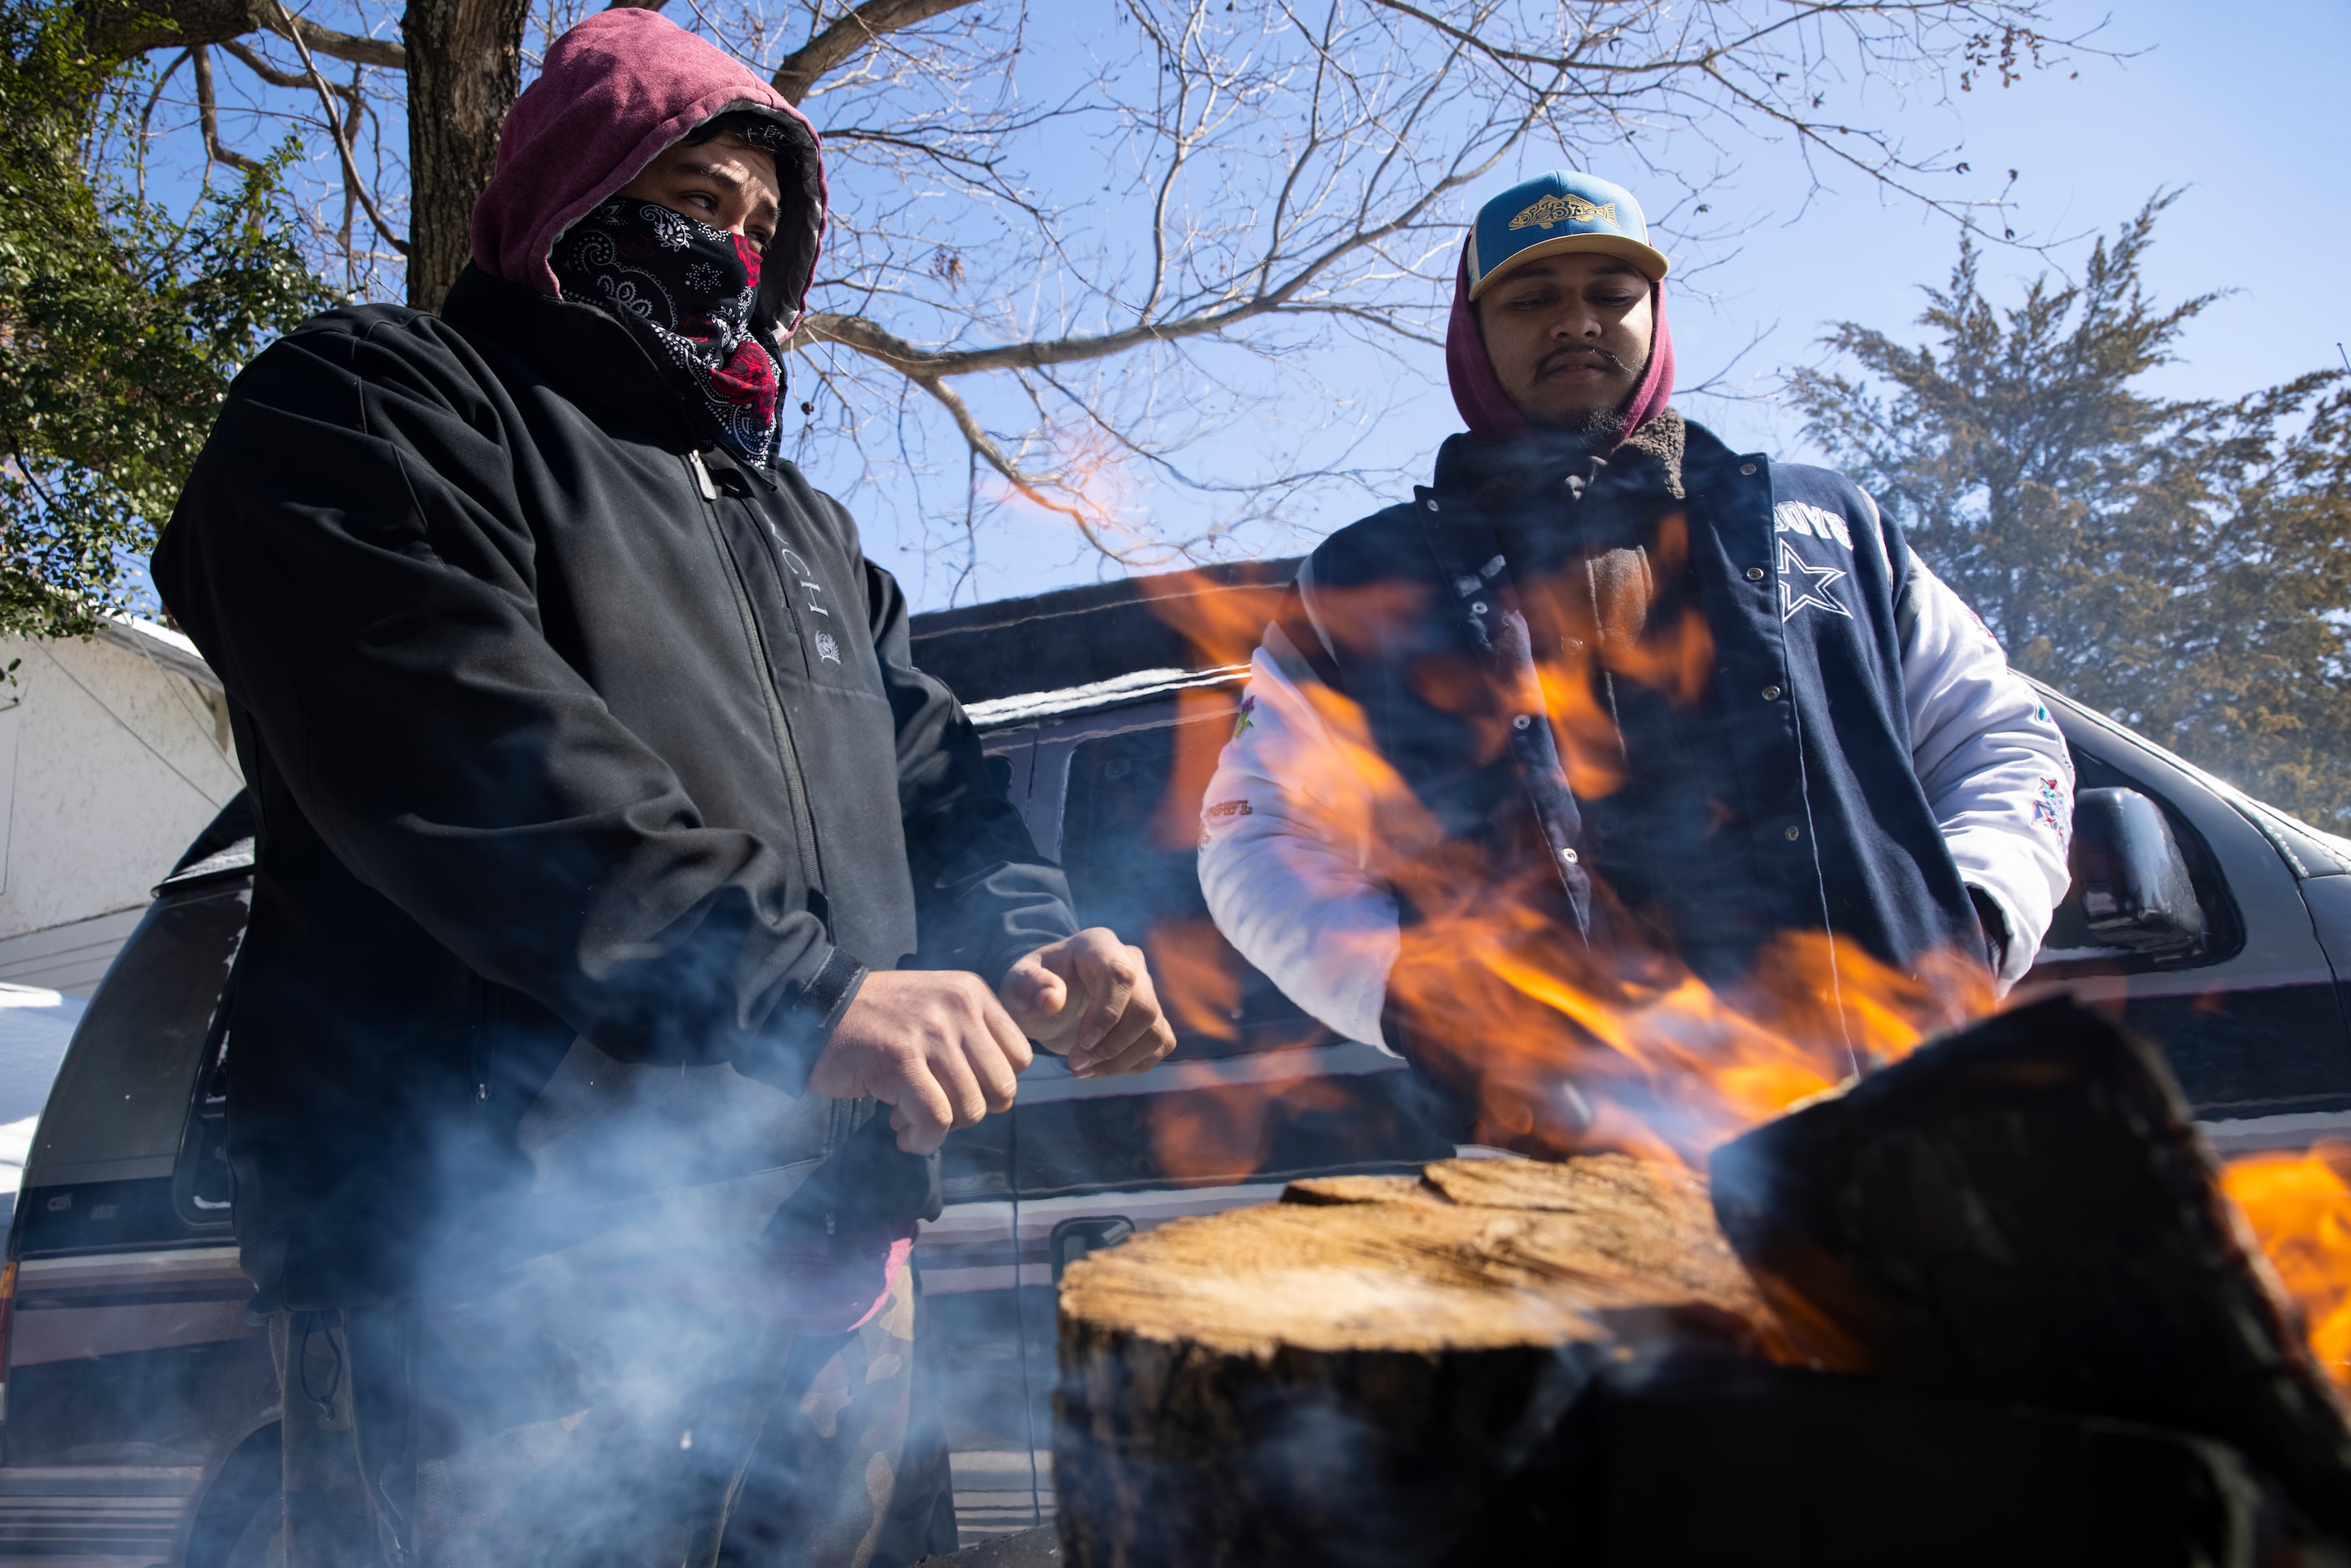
(1373, 1370)
(464, 68)
(2023, 1212)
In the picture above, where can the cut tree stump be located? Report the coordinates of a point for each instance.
(1372, 1371)
(2024, 1211)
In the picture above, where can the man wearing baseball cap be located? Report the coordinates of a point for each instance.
(1655, 706)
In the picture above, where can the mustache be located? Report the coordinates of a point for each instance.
(1558, 357)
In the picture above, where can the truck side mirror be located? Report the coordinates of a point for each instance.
(2134, 882)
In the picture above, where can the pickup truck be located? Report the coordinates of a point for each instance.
(138, 1426)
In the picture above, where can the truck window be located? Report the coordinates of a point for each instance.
(102, 1161)
(2239, 1053)
(1130, 840)
(2069, 941)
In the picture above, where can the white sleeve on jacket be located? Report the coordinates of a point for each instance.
(1283, 853)
(1992, 759)
(1290, 890)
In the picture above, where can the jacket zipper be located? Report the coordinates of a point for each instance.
(786, 752)
(777, 570)
(481, 1044)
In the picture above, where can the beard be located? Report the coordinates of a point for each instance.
(1606, 426)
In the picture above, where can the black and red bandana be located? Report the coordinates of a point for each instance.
(691, 286)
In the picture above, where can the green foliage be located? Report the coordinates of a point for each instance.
(119, 328)
(2184, 566)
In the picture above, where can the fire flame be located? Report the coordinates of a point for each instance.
(1225, 1133)
(1198, 980)
(2299, 1208)
(1645, 1058)
(1558, 1056)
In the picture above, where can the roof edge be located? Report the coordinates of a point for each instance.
(159, 643)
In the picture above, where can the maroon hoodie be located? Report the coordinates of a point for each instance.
(614, 91)
(1477, 391)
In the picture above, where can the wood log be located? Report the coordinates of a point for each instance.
(1702, 1463)
(1372, 1371)
(2024, 1212)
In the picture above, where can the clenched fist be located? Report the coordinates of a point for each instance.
(942, 1050)
(1089, 998)
(935, 1046)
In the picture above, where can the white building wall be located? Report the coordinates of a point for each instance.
(114, 752)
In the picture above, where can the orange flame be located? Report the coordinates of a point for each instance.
(1225, 1133)
(2299, 1208)
(1557, 1055)
(1196, 976)
(1560, 1057)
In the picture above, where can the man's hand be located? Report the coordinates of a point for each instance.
(937, 1047)
(1089, 998)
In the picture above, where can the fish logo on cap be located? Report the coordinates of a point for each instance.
(1558, 213)
(1568, 209)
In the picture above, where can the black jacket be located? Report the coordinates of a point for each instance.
(557, 728)
(1778, 795)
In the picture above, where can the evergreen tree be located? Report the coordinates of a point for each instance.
(2184, 566)
(119, 328)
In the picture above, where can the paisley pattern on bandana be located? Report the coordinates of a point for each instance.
(690, 287)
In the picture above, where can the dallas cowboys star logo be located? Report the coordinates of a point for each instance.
(1816, 580)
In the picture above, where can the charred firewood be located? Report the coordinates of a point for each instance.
(1374, 1371)
(2024, 1211)
(1706, 1461)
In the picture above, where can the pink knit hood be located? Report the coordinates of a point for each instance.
(611, 93)
(1477, 391)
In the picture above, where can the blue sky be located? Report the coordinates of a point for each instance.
(2246, 121)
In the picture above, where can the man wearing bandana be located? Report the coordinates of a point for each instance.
(632, 919)
(1631, 706)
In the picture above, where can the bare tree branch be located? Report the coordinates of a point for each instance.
(342, 143)
(127, 30)
(849, 36)
(261, 67)
(1124, 296)
(208, 116)
(350, 47)
(1033, 488)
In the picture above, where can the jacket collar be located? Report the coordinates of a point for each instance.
(1501, 473)
(584, 353)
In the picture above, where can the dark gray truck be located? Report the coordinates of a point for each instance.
(139, 1403)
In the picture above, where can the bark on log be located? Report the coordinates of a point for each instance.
(1374, 1370)
(2024, 1212)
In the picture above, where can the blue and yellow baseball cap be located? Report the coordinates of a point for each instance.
(1557, 212)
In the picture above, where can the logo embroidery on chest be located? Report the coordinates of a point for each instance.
(1803, 517)
(1803, 585)
(811, 596)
